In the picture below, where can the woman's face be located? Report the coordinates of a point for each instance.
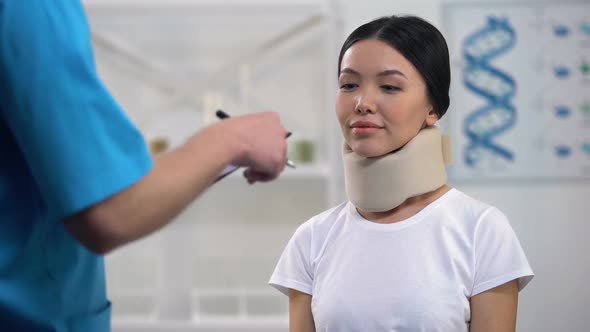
(381, 102)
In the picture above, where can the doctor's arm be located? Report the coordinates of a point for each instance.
(253, 141)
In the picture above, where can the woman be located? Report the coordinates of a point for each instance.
(407, 252)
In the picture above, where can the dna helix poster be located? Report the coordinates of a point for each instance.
(520, 90)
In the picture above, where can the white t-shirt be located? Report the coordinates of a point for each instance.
(414, 275)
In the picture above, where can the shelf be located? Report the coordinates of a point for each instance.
(311, 171)
(317, 170)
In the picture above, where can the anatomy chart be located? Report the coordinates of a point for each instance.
(520, 91)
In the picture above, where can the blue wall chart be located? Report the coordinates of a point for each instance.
(520, 90)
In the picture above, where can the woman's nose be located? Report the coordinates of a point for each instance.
(365, 104)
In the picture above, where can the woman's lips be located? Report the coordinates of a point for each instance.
(364, 127)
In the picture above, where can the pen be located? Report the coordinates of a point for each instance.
(222, 115)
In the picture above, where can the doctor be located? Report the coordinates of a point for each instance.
(76, 178)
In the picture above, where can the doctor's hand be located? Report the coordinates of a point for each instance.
(263, 145)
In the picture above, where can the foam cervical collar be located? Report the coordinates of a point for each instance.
(382, 183)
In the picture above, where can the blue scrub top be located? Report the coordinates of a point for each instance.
(65, 145)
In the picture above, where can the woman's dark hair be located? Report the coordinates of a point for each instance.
(419, 42)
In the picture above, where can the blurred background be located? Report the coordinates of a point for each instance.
(171, 64)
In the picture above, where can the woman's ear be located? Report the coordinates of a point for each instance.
(431, 118)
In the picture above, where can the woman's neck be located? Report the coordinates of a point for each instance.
(407, 209)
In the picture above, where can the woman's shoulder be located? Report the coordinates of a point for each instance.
(317, 230)
(470, 202)
(469, 210)
(326, 219)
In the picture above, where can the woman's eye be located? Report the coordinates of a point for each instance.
(348, 86)
(390, 88)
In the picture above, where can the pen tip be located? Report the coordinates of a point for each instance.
(221, 114)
